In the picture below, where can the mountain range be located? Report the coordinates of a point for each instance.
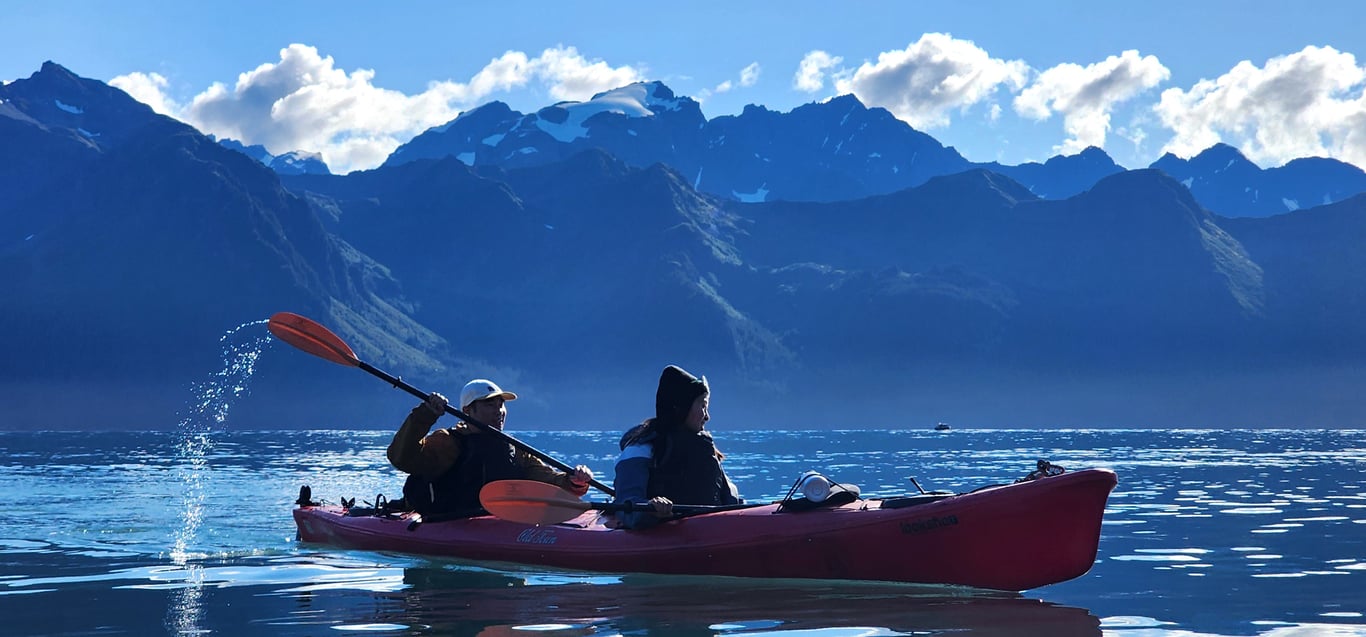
(836, 150)
(827, 267)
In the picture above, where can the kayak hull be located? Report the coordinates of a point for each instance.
(1009, 537)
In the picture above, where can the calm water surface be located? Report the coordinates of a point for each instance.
(189, 533)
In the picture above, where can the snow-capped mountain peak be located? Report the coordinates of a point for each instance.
(565, 121)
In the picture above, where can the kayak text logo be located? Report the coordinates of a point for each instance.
(537, 536)
(921, 526)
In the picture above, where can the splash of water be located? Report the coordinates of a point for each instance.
(212, 400)
(242, 346)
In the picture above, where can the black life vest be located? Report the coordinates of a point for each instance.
(687, 471)
(483, 458)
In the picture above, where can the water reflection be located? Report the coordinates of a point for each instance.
(314, 594)
(466, 601)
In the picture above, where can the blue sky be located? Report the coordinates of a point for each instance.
(1007, 81)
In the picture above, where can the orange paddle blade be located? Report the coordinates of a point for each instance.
(530, 502)
(310, 337)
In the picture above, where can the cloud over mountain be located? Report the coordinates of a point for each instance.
(934, 75)
(304, 101)
(811, 71)
(748, 76)
(148, 88)
(1308, 103)
(1086, 95)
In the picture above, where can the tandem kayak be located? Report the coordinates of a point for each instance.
(1009, 537)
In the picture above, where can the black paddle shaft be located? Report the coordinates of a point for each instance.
(548, 459)
(679, 510)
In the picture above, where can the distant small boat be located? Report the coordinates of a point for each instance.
(943, 426)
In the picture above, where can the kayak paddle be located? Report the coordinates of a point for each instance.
(317, 340)
(532, 502)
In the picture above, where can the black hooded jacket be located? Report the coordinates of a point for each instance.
(661, 457)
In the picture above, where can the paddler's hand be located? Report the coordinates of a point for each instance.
(582, 476)
(436, 403)
(663, 506)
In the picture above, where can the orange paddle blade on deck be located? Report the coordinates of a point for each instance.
(531, 502)
(310, 337)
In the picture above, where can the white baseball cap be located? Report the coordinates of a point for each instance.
(480, 389)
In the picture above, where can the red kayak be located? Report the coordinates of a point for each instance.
(1007, 537)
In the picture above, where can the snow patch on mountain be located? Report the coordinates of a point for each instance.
(758, 196)
(298, 157)
(642, 99)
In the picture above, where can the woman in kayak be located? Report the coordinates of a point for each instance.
(671, 459)
(448, 467)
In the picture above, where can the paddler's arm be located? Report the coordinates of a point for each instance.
(632, 484)
(575, 483)
(431, 456)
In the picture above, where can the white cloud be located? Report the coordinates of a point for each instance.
(511, 70)
(1136, 135)
(303, 102)
(934, 75)
(750, 74)
(148, 88)
(1309, 103)
(1086, 95)
(573, 77)
(810, 75)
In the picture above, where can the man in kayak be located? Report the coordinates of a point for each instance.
(448, 466)
(671, 459)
